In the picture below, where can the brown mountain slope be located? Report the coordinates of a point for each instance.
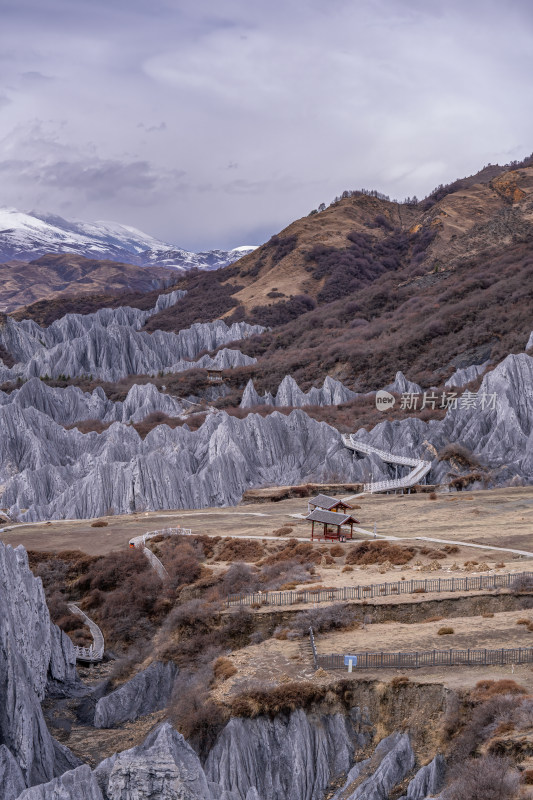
(331, 254)
(67, 274)
(466, 222)
(367, 286)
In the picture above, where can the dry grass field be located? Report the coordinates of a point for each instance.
(497, 518)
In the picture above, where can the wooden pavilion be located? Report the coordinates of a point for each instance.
(332, 524)
(328, 503)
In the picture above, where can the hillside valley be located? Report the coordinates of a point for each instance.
(169, 627)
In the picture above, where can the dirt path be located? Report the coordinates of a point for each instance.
(497, 519)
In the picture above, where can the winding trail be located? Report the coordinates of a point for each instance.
(95, 652)
(140, 543)
(419, 471)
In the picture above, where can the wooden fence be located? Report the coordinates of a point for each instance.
(473, 583)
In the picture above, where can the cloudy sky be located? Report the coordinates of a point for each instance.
(217, 123)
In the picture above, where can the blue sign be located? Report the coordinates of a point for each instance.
(350, 661)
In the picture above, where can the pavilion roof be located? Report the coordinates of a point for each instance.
(330, 517)
(324, 501)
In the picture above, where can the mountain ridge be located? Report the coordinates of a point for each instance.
(27, 236)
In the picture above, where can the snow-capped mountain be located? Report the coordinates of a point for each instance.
(25, 237)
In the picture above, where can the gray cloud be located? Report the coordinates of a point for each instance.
(97, 180)
(34, 75)
(398, 95)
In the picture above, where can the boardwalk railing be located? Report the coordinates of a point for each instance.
(88, 654)
(421, 468)
(156, 563)
(470, 583)
(96, 651)
(428, 658)
(138, 541)
(313, 648)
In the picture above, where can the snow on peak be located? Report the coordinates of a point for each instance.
(27, 236)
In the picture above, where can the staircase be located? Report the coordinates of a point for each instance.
(419, 471)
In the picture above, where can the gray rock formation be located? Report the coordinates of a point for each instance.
(496, 425)
(168, 300)
(11, 780)
(294, 756)
(70, 405)
(251, 398)
(428, 781)
(352, 776)
(163, 767)
(289, 394)
(48, 472)
(23, 339)
(32, 651)
(223, 359)
(148, 691)
(395, 759)
(78, 784)
(401, 385)
(530, 341)
(463, 376)
(109, 345)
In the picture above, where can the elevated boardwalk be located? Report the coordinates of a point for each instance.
(95, 652)
(140, 543)
(418, 473)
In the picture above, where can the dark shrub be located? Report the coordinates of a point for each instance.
(485, 778)
(372, 552)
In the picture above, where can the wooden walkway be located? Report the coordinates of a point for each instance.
(95, 652)
(419, 471)
(140, 543)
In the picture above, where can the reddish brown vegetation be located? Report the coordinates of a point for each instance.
(371, 552)
(223, 669)
(279, 700)
(240, 550)
(44, 312)
(285, 530)
(299, 552)
(489, 688)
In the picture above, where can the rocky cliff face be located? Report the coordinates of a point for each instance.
(48, 472)
(497, 425)
(148, 691)
(32, 652)
(463, 376)
(109, 345)
(289, 394)
(295, 756)
(70, 405)
(392, 761)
